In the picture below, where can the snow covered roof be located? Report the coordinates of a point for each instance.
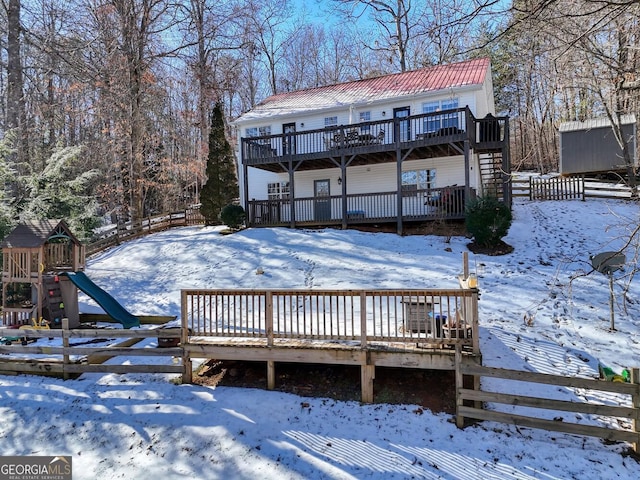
(430, 79)
(591, 123)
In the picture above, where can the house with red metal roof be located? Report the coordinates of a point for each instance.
(400, 148)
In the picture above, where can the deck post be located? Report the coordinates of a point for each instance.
(271, 375)
(399, 183)
(367, 376)
(363, 319)
(65, 345)
(367, 370)
(343, 174)
(245, 189)
(506, 166)
(292, 194)
(465, 264)
(635, 401)
(467, 173)
(459, 386)
(269, 317)
(187, 367)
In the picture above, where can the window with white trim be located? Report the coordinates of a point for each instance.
(330, 121)
(434, 123)
(278, 191)
(365, 117)
(259, 132)
(414, 180)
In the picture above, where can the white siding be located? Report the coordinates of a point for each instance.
(373, 178)
(381, 177)
(476, 99)
(258, 181)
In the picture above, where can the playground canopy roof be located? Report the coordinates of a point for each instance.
(35, 233)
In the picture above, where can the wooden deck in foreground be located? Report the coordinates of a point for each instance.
(422, 329)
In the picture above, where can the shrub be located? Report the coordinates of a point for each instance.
(232, 216)
(487, 220)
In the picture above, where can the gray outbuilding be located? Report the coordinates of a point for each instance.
(591, 147)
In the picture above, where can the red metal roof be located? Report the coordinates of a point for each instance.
(439, 77)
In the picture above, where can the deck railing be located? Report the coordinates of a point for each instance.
(20, 265)
(424, 129)
(128, 231)
(362, 316)
(420, 204)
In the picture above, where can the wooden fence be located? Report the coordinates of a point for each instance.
(566, 188)
(86, 355)
(632, 413)
(121, 233)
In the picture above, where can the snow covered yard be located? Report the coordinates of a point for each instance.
(536, 313)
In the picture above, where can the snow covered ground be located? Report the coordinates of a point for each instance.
(149, 426)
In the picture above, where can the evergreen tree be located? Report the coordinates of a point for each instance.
(7, 178)
(65, 190)
(222, 185)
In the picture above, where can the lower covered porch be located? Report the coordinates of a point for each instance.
(445, 203)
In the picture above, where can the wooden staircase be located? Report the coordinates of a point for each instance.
(491, 173)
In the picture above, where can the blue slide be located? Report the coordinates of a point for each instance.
(109, 304)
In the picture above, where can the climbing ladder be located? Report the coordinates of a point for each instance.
(53, 305)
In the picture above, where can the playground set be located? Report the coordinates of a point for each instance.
(42, 270)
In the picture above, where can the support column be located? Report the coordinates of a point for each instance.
(506, 166)
(367, 376)
(245, 189)
(271, 375)
(467, 174)
(399, 189)
(459, 386)
(292, 196)
(343, 175)
(635, 401)
(187, 366)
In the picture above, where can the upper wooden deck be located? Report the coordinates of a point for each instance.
(428, 135)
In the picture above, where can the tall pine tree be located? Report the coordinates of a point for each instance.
(222, 185)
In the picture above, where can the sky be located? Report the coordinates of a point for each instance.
(143, 426)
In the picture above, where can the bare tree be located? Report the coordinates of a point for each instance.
(266, 30)
(396, 19)
(593, 47)
(15, 100)
(209, 31)
(131, 35)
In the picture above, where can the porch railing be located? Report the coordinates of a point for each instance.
(423, 129)
(356, 316)
(417, 204)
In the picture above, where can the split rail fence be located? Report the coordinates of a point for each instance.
(80, 353)
(124, 232)
(478, 396)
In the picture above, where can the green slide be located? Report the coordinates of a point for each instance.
(106, 301)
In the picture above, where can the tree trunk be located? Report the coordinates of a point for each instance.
(15, 100)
